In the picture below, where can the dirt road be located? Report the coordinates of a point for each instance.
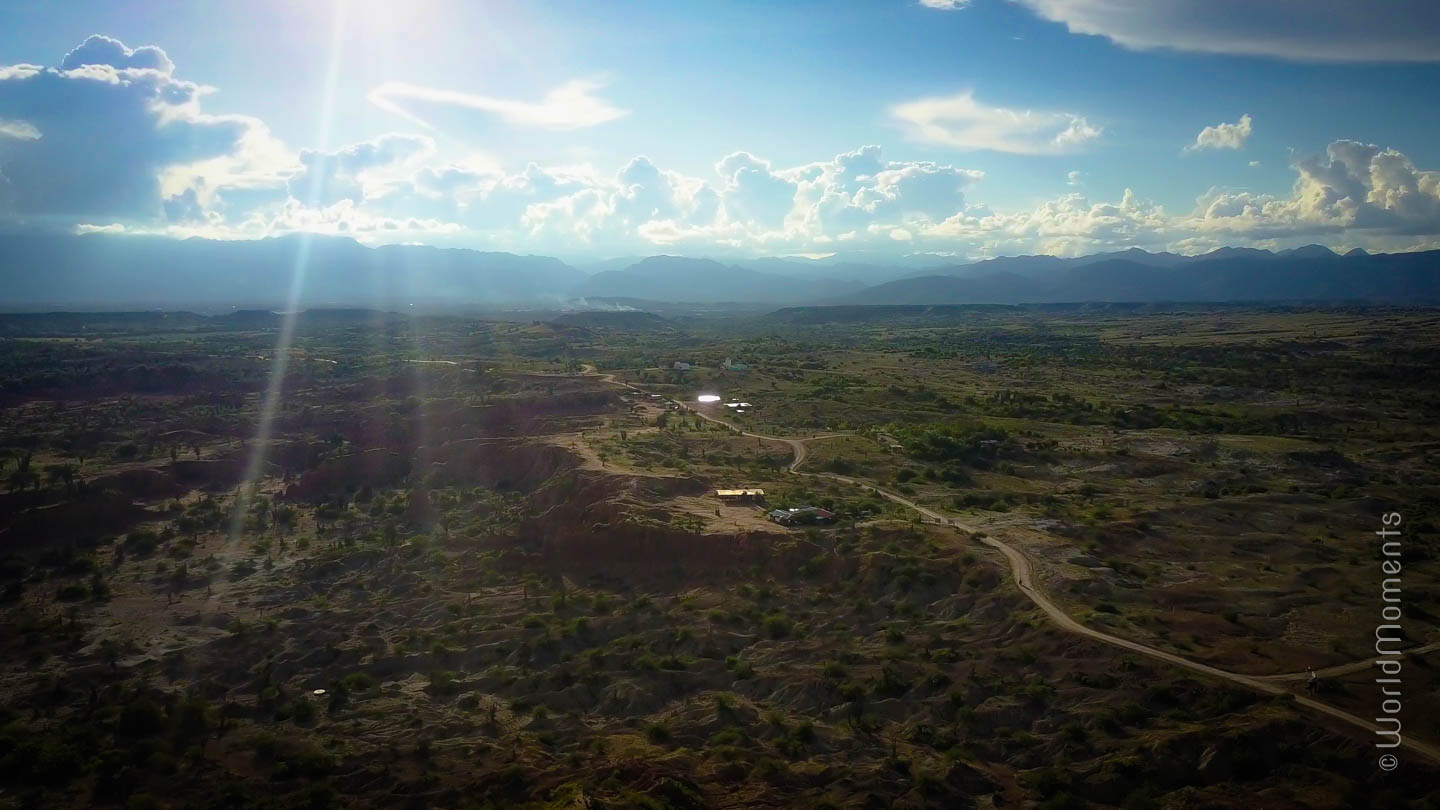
(1344, 669)
(1023, 572)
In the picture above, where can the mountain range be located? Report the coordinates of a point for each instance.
(1312, 273)
(106, 271)
(675, 278)
(110, 272)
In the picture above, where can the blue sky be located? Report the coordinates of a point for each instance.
(586, 130)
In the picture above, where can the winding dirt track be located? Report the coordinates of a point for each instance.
(1022, 570)
(1344, 669)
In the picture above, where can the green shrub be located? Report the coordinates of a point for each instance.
(444, 682)
(357, 682)
(657, 733)
(141, 543)
(301, 711)
(741, 668)
(776, 626)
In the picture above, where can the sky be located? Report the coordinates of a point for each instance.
(875, 130)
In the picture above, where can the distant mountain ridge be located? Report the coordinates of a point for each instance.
(1312, 273)
(1041, 264)
(676, 278)
(147, 271)
(111, 272)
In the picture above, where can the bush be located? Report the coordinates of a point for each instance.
(728, 736)
(73, 592)
(657, 733)
(141, 717)
(308, 761)
(740, 667)
(776, 626)
(141, 543)
(357, 682)
(193, 716)
(265, 746)
(301, 711)
(444, 682)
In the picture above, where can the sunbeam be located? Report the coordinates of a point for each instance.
(280, 361)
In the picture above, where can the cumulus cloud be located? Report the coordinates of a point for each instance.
(749, 203)
(962, 122)
(861, 192)
(945, 5)
(102, 50)
(329, 177)
(642, 204)
(1069, 225)
(111, 140)
(1075, 178)
(1223, 136)
(1353, 187)
(572, 105)
(97, 134)
(752, 193)
(1299, 30)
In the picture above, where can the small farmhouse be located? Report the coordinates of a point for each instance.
(802, 515)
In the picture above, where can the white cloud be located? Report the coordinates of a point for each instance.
(1071, 224)
(572, 105)
(1223, 136)
(85, 227)
(19, 130)
(1356, 187)
(329, 177)
(1254, 164)
(961, 122)
(1356, 194)
(103, 50)
(945, 5)
(112, 141)
(95, 135)
(752, 193)
(1299, 30)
